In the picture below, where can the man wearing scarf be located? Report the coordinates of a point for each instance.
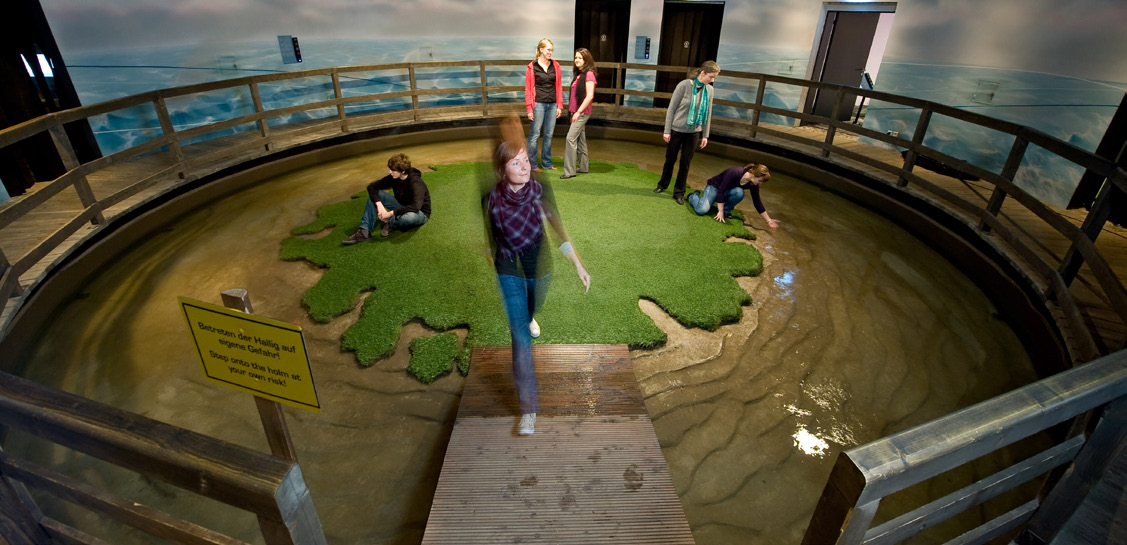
(687, 122)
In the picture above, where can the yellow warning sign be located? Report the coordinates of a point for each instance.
(258, 355)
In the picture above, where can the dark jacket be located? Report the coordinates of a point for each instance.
(412, 193)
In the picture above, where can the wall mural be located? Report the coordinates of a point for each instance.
(1054, 65)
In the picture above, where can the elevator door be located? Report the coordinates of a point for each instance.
(847, 39)
(690, 35)
(603, 27)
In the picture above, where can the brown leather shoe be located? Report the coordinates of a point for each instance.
(358, 236)
(386, 231)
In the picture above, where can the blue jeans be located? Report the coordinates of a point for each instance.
(402, 221)
(522, 298)
(704, 200)
(543, 122)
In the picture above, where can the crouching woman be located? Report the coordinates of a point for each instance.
(728, 188)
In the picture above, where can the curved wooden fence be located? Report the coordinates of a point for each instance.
(320, 107)
(1054, 253)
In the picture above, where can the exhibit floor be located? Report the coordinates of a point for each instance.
(856, 330)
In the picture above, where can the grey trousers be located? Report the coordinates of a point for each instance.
(575, 152)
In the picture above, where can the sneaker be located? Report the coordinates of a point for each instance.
(534, 329)
(527, 424)
(386, 231)
(358, 236)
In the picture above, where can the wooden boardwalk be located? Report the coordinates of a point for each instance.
(592, 473)
(1101, 519)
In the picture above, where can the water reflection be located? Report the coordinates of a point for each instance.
(856, 330)
(785, 283)
(810, 444)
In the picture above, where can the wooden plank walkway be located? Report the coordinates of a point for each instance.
(592, 473)
(1101, 519)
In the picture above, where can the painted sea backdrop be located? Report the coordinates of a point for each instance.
(1074, 110)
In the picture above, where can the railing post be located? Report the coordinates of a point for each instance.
(484, 90)
(19, 514)
(273, 420)
(1092, 226)
(917, 139)
(838, 518)
(1013, 162)
(294, 502)
(297, 522)
(168, 129)
(414, 91)
(758, 105)
(1087, 468)
(263, 127)
(70, 162)
(620, 84)
(16, 288)
(831, 129)
(340, 105)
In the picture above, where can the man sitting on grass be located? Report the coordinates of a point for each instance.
(409, 207)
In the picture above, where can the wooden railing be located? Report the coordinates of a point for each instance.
(185, 159)
(864, 475)
(182, 154)
(271, 488)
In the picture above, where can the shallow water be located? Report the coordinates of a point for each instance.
(857, 330)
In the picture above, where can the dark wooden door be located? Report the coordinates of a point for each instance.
(843, 51)
(690, 35)
(24, 37)
(603, 27)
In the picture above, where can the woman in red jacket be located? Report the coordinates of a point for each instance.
(543, 98)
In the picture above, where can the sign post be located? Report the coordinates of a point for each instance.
(257, 355)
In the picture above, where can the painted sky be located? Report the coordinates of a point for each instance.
(1082, 38)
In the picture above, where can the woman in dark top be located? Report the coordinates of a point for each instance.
(543, 98)
(727, 189)
(514, 209)
(579, 104)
